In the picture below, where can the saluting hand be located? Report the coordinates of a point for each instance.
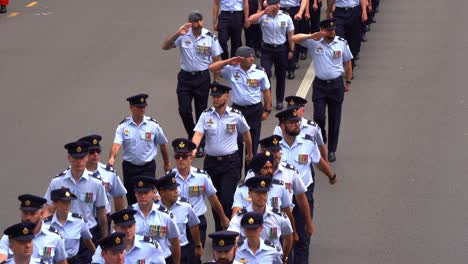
(184, 29)
(235, 60)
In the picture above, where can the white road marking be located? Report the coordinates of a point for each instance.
(306, 82)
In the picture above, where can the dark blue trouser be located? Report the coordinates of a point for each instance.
(130, 170)
(277, 56)
(348, 26)
(313, 25)
(230, 26)
(191, 245)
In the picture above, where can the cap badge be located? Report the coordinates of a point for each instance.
(262, 183)
(140, 184)
(27, 203)
(332, 24)
(251, 221)
(25, 231)
(125, 217)
(94, 141)
(173, 180)
(267, 153)
(142, 100)
(67, 194)
(294, 113)
(243, 260)
(181, 145)
(221, 242)
(214, 89)
(117, 240)
(275, 141)
(79, 149)
(291, 102)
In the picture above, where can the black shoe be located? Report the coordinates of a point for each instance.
(303, 55)
(363, 38)
(296, 66)
(291, 75)
(258, 54)
(331, 156)
(200, 152)
(3, 9)
(376, 10)
(279, 106)
(373, 20)
(367, 28)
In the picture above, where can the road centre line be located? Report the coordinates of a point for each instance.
(306, 81)
(31, 4)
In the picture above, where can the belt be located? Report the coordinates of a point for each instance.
(329, 81)
(241, 107)
(347, 8)
(231, 12)
(194, 73)
(225, 157)
(274, 46)
(288, 8)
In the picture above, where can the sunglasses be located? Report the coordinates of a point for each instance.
(183, 156)
(94, 151)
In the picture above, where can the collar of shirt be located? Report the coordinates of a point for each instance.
(154, 208)
(249, 70)
(136, 243)
(145, 118)
(55, 219)
(227, 111)
(245, 246)
(85, 175)
(298, 141)
(267, 210)
(329, 44)
(178, 175)
(202, 34)
(44, 227)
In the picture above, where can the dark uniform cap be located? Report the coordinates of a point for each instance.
(218, 89)
(93, 140)
(22, 231)
(244, 51)
(125, 217)
(144, 183)
(138, 100)
(295, 101)
(31, 202)
(183, 145)
(114, 241)
(259, 183)
(259, 160)
(271, 142)
(77, 149)
(62, 194)
(272, 2)
(223, 240)
(252, 219)
(195, 16)
(289, 114)
(328, 24)
(167, 182)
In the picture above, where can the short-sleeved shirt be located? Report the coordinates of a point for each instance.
(328, 58)
(195, 188)
(112, 183)
(275, 224)
(139, 141)
(196, 54)
(278, 196)
(89, 190)
(184, 216)
(71, 232)
(275, 29)
(159, 224)
(48, 246)
(290, 3)
(221, 131)
(347, 3)
(231, 5)
(31, 261)
(308, 127)
(144, 250)
(265, 254)
(247, 86)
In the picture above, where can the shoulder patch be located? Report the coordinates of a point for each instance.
(241, 212)
(309, 137)
(258, 67)
(125, 119)
(108, 167)
(185, 200)
(342, 39)
(269, 243)
(276, 211)
(53, 230)
(75, 215)
(49, 218)
(209, 33)
(163, 209)
(275, 181)
(208, 110)
(150, 240)
(153, 120)
(201, 171)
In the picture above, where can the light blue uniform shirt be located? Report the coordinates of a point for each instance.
(265, 254)
(247, 87)
(31, 261)
(196, 54)
(144, 250)
(221, 131)
(184, 216)
(196, 188)
(308, 127)
(301, 155)
(278, 196)
(328, 59)
(347, 3)
(290, 3)
(48, 246)
(274, 29)
(71, 232)
(159, 225)
(89, 190)
(112, 183)
(139, 142)
(275, 224)
(231, 5)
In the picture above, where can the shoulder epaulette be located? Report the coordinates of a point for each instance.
(269, 243)
(125, 119)
(311, 122)
(240, 185)
(163, 209)
(95, 176)
(289, 166)
(309, 137)
(49, 218)
(208, 110)
(237, 111)
(241, 241)
(185, 200)
(108, 167)
(342, 39)
(75, 215)
(258, 67)
(276, 211)
(62, 173)
(243, 211)
(53, 230)
(275, 181)
(209, 33)
(201, 171)
(154, 120)
(150, 240)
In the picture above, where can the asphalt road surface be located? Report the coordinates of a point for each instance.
(66, 68)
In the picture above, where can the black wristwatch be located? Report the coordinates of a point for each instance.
(267, 111)
(348, 82)
(199, 245)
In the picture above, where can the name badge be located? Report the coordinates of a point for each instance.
(303, 158)
(230, 128)
(252, 82)
(158, 231)
(273, 234)
(337, 54)
(148, 136)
